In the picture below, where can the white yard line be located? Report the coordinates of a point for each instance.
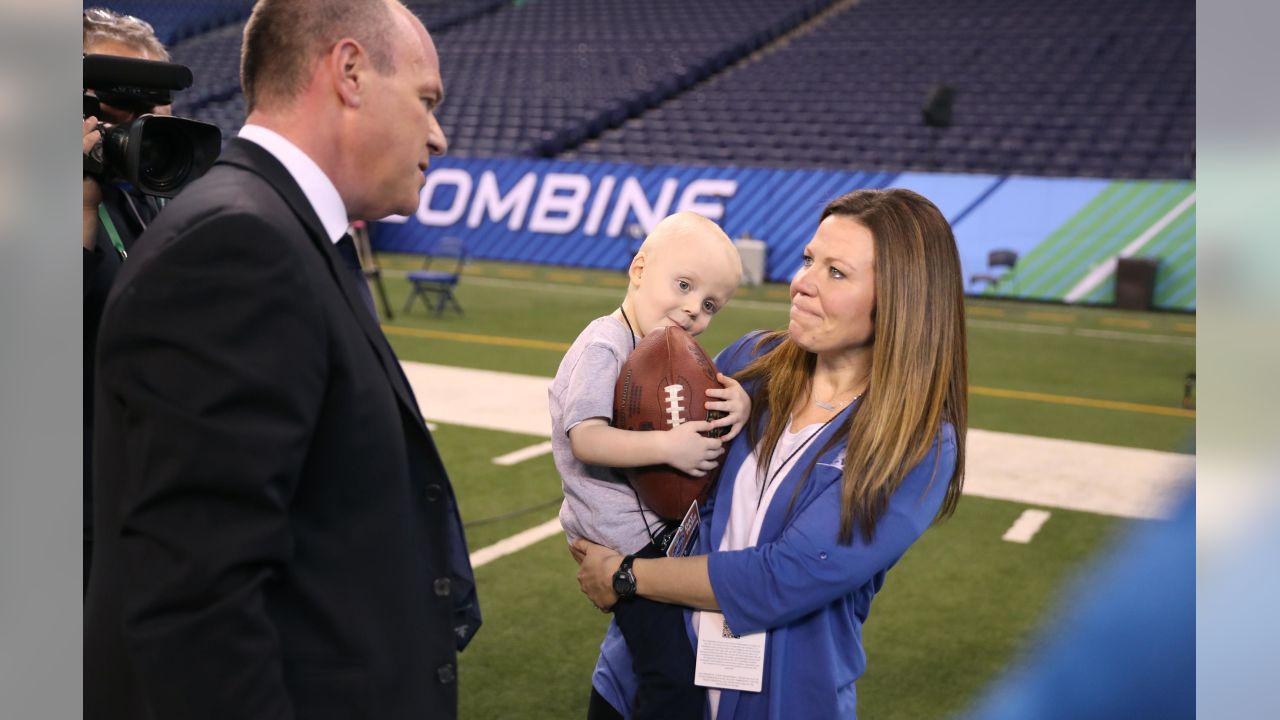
(515, 543)
(523, 454)
(1026, 526)
(1103, 271)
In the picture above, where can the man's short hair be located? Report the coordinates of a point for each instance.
(284, 37)
(102, 25)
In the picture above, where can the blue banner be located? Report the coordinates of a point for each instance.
(595, 214)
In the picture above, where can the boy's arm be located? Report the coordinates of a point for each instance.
(595, 442)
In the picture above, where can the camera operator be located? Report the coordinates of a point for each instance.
(114, 214)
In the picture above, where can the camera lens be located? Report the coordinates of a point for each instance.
(164, 158)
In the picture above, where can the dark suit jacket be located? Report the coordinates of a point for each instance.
(276, 536)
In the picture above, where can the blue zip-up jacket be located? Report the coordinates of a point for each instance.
(810, 592)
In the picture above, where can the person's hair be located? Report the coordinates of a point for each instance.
(919, 361)
(102, 25)
(283, 38)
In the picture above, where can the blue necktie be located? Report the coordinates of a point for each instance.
(347, 249)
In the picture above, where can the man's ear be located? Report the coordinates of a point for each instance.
(348, 64)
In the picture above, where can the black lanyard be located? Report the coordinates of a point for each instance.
(795, 452)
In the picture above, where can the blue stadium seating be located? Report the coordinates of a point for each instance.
(1090, 88)
(1042, 87)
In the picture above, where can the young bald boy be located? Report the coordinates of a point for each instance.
(684, 273)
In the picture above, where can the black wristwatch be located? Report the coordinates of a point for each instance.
(624, 581)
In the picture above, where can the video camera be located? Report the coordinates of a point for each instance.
(158, 154)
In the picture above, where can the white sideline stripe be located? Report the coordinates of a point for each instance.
(1026, 526)
(523, 454)
(515, 543)
(1100, 273)
(1074, 475)
(1083, 332)
(1153, 338)
(481, 398)
(1029, 470)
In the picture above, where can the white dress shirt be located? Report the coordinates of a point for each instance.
(316, 186)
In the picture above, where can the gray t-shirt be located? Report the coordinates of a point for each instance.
(599, 504)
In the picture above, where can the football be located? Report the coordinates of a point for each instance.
(661, 385)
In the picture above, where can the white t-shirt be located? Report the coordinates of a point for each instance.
(748, 509)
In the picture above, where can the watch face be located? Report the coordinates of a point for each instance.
(624, 584)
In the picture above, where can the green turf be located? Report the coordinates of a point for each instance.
(962, 602)
(487, 491)
(533, 656)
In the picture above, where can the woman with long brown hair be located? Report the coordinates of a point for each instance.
(854, 446)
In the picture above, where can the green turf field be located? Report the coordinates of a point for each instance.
(952, 614)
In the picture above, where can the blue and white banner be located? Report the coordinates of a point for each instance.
(595, 214)
(588, 214)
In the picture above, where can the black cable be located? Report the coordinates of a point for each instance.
(640, 505)
(512, 514)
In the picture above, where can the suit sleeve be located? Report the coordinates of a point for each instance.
(217, 356)
(806, 568)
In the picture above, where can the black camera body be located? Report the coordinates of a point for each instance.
(158, 154)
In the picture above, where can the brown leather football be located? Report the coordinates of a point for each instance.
(661, 385)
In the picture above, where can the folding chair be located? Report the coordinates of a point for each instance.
(1006, 259)
(435, 282)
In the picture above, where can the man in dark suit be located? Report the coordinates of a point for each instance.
(276, 535)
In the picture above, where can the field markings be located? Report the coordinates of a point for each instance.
(1051, 317)
(1137, 337)
(523, 454)
(473, 338)
(1127, 322)
(1021, 327)
(515, 543)
(1026, 526)
(1082, 402)
(764, 305)
(1044, 472)
(973, 389)
(988, 312)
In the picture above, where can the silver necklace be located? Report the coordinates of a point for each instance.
(830, 406)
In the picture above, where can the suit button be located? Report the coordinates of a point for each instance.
(446, 674)
(442, 586)
(434, 492)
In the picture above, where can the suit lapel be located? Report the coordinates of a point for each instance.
(251, 157)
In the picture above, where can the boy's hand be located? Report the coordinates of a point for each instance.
(688, 451)
(732, 400)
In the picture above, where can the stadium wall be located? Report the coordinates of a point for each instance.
(1067, 232)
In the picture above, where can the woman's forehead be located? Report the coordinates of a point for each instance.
(843, 238)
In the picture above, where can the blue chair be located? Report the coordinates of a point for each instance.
(435, 282)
